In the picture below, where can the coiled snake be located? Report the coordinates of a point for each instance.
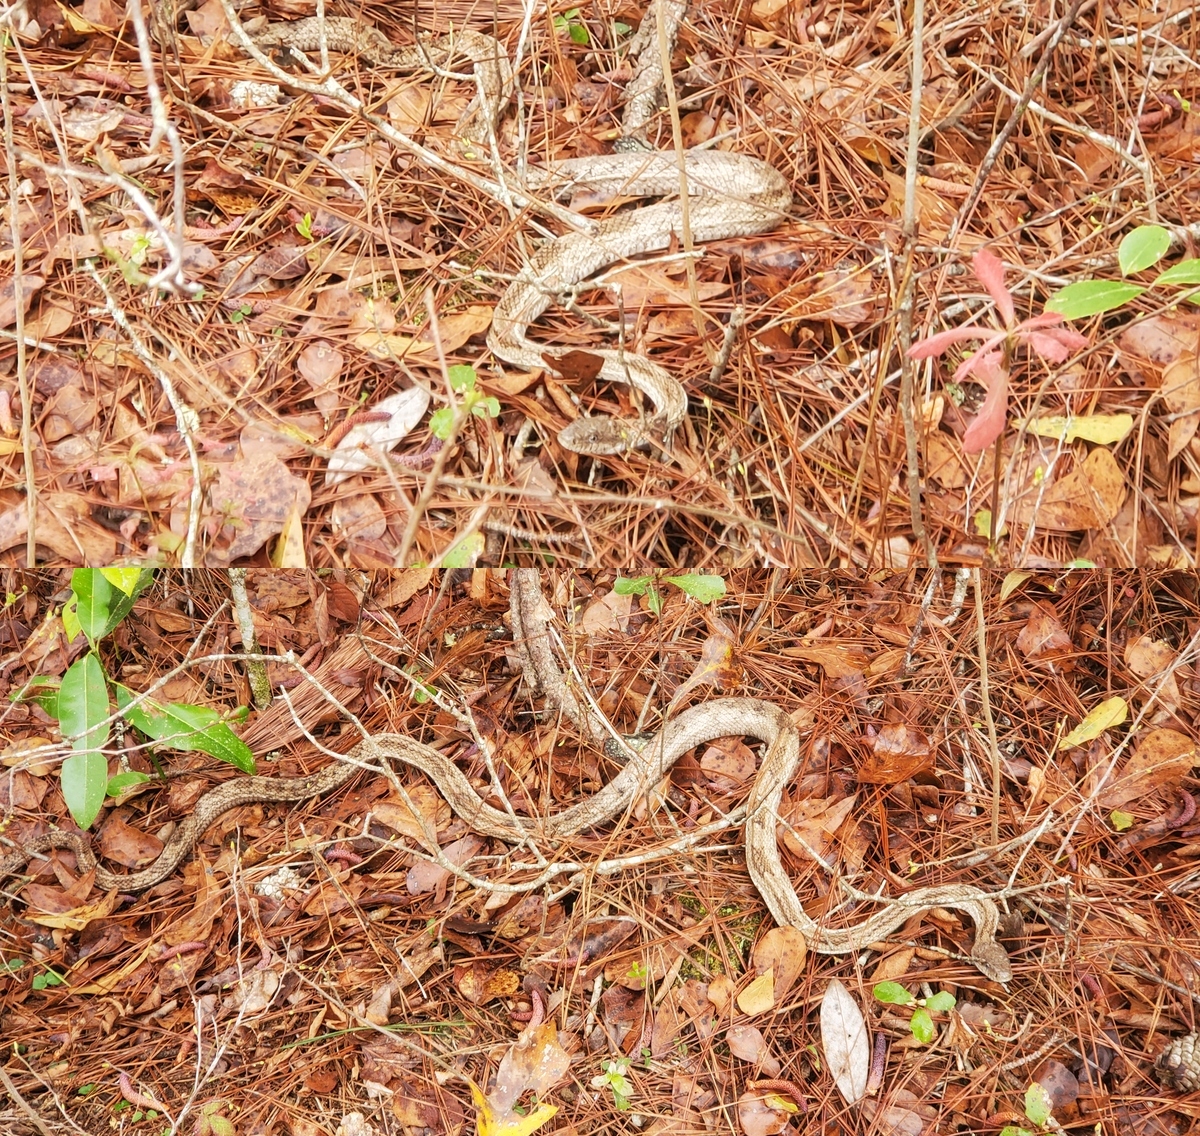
(722, 717)
(730, 195)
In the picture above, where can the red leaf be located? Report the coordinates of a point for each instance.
(988, 424)
(990, 270)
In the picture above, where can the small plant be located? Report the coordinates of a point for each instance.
(614, 1078)
(240, 313)
(47, 978)
(100, 599)
(1140, 249)
(703, 589)
(570, 22)
(462, 380)
(304, 226)
(989, 364)
(921, 1024)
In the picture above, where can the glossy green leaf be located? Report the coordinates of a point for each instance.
(125, 580)
(922, 1026)
(632, 585)
(84, 781)
(1185, 272)
(892, 993)
(703, 589)
(1091, 297)
(83, 703)
(98, 604)
(940, 1003)
(1146, 245)
(185, 727)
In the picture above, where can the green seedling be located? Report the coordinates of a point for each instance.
(703, 589)
(921, 1024)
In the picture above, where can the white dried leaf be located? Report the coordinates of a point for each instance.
(844, 1039)
(352, 454)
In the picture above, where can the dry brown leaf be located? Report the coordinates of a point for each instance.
(782, 951)
(1162, 757)
(764, 1113)
(29, 287)
(747, 1043)
(424, 877)
(434, 813)
(1086, 498)
(899, 751)
(353, 454)
(127, 845)
(250, 503)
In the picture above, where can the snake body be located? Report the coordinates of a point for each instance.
(724, 717)
(730, 195)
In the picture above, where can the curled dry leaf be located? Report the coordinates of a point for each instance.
(353, 455)
(29, 287)
(844, 1040)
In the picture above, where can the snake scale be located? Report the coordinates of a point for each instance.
(730, 195)
(723, 717)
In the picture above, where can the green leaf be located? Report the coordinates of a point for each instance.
(703, 589)
(464, 553)
(578, 34)
(83, 703)
(488, 408)
(620, 28)
(122, 781)
(632, 586)
(1121, 821)
(40, 689)
(441, 422)
(84, 780)
(654, 600)
(1143, 247)
(461, 377)
(185, 727)
(70, 621)
(1091, 297)
(941, 1003)
(47, 978)
(125, 580)
(1013, 1130)
(892, 993)
(1185, 272)
(99, 604)
(922, 1026)
(1037, 1104)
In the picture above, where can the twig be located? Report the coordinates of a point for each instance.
(985, 700)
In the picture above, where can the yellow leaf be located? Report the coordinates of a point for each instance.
(1103, 429)
(487, 1123)
(759, 996)
(1012, 582)
(1111, 712)
(289, 549)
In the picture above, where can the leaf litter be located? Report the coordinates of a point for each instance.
(664, 988)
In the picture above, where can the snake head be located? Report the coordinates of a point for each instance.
(598, 436)
(992, 959)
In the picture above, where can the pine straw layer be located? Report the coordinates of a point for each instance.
(796, 453)
(283, 988)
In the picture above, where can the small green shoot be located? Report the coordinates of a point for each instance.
(703, 589)
(304, 226)
(239, 314)
(614, 1078)
(462, 381)
(47, 978)
(921, 1024)
(570, 22)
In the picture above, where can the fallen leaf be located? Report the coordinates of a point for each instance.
(1103, 429)
(764, 1113)
(759, 996)
(898, 752)
(782, 951)
(352, 454)
(844, 1040)
(251, 502)
(29, 287)
(747, 1043)
(1088, 497)
(1109, 713)
(424, 877)
(1162, 757)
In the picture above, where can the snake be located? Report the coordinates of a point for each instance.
(722, 717)
(729, 195)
